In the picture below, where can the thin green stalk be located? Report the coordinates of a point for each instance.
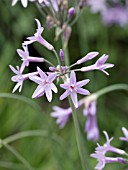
(111, 88)
(80, 143)
(21, 98)
(14, 152)
(49, 62)
(32, 133)
(66, 52)
(57, 57)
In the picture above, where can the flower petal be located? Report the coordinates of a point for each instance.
(41, 73)
(64, 95)
(83, 91)
(48, 93)
(38, 92)
(74, 99)
(82, 83)
(53, 87)
(36, 79)
(73, 77)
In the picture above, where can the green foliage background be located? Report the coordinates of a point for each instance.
(60, 153)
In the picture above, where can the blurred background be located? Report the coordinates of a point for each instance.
(88, 34)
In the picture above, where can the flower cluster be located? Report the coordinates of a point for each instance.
(89, 111)
(114, 12)
(101, 151)
(45, 80)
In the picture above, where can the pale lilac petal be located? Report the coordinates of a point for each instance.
(52, 77)
(65, 86)
(14, 70)
(88, 68)
(105, 72)
(102, 60)
(14, 2)
(82, 83)
(21, 53)
(73, 77)
(65, 94)
(36, 79)
(83, 91)
(53, 87)
(39, 90)
(41, 73)
(74, 99)
(125, 131)
(55, 5)
(40, 29)
(24, 3)
(18, 85)
(48, 93)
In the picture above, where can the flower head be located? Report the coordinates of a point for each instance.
(125, 132)
(99, 65)
(37, 37)
(26, 58)
(102, 150)
(46, 84)
(107, 146)
(72, 88)
(62, 115)
(91, 122)
(17, 78)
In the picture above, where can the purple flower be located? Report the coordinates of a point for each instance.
(108, 148)
(91, 123)
(46, 84)
(99, 65)
(72, 88)
(102, 159)
(26, 58)
(125, 132)
(97, 6)
(102, 150)
(19, 77)
(62, 115)
(116, 15)
(37, 37)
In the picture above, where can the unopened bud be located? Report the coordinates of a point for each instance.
(89, 56)
(62, 55)
(71, 12)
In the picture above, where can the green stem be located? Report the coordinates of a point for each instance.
(14, 152)
(21, 98)
(66, 52)
(80, 143)
(32, 133)
(49, 62)
(111, 88)
(57, 57)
